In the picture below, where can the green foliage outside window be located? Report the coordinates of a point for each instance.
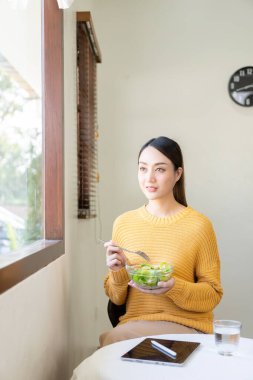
(20, 167)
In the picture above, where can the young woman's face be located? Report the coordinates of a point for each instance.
(156, 174)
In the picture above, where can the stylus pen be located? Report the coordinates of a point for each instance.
(165, 350)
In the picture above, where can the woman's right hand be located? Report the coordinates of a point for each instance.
(115, 257)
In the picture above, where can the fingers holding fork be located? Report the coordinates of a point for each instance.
(115, 257)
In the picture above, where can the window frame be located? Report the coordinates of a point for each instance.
(36, 256)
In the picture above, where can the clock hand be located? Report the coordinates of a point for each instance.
(241, 96)
(245, 87)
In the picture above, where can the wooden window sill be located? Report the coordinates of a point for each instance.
(17, 266)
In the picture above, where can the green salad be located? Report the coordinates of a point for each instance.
(148, 275)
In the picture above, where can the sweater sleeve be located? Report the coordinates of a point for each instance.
(116, 286)
(116, 282)
(206, 292)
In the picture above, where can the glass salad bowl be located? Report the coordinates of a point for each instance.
(147, 276)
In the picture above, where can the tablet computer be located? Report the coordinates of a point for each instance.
(146, 352)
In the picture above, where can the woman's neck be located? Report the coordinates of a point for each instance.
(162, 209)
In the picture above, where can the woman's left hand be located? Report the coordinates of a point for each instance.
(164, 287)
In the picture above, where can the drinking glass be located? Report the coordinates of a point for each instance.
(227, 336)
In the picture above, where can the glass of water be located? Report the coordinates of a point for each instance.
(227, 336)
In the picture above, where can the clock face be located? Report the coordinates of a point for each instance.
(240, 86)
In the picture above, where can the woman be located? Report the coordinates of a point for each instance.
(167, 230)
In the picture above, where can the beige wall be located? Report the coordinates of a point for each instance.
(165, 70)
(33, 326)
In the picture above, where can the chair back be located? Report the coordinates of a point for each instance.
(114, 312)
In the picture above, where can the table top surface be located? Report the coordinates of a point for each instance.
(204, 363)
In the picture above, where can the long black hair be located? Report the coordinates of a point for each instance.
(172, 151)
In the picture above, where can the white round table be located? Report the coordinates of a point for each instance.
(204, 364)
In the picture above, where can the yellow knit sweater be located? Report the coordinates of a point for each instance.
(188, 242)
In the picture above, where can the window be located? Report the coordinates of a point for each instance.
(30, 258)
(88, 54)
(21, 220)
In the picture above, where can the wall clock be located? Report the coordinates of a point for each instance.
(240, 86)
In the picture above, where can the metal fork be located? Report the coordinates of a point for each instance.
(140, 253)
